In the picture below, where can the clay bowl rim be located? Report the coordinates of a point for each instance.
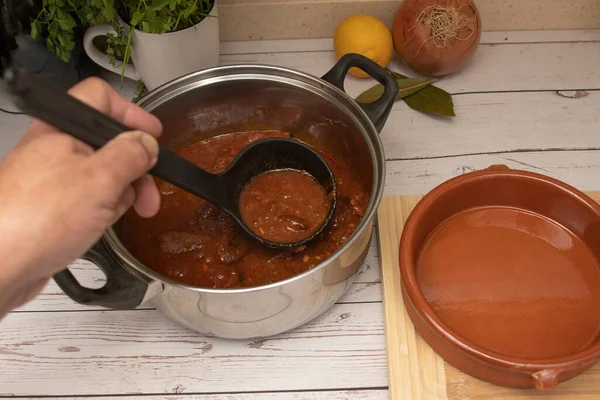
(422, 308)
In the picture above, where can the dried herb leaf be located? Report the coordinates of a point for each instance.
(406, 87)
(430, 99)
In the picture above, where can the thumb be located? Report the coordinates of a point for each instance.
(123, 160)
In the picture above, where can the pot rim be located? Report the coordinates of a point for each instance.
(427, 314)
(177, 86)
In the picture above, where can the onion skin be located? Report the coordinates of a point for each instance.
(428, 59)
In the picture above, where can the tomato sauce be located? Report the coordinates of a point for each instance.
(194, 242)
(284, 206)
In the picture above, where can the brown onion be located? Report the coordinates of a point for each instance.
(436, 37)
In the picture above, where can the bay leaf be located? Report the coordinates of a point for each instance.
(430, 99)
(406, 87)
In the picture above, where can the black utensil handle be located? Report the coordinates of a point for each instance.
(122, 290)
(379, 110)
(43, 100)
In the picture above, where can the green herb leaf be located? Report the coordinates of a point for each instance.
(140, 91)
(406, 87)
(189, 11)
(158, 25)
(136, 18)
(54, 29)
(430, 99)
(66, 21)
(50, 44)
(116, 45)
(36, 29)
(108, 10)
(159, 4)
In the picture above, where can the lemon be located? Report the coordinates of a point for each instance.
(365, 35)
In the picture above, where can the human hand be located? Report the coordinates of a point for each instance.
(58, 195)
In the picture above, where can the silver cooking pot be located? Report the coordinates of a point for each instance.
(235, 98)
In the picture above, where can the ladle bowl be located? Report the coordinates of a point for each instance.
(270, 155)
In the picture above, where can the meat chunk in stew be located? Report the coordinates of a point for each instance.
(181, 242)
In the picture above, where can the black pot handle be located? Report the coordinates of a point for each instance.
(122, 291)
(379, 110)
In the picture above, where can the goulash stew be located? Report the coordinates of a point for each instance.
(193, 242)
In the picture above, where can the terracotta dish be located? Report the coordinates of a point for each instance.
(501, 276)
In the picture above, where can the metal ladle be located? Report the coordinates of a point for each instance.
(41, 99)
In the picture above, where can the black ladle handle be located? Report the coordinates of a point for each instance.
(44, 101)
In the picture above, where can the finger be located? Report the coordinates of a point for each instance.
(101, 96)
(147, 197)
(125, 202)
(122, 161)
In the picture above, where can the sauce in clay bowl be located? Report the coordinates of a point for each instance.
(512, 281)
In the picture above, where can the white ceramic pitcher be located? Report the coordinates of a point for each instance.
(159, 58)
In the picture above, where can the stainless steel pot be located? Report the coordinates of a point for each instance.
(232, 98)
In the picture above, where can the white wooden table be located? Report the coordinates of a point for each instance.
(530, 100)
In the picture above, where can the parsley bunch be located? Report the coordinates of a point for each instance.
(154, 16)
(58, 18)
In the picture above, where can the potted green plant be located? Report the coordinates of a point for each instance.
(164, 39)
(33, 53)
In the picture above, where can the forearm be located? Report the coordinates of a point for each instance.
(9, 297)
(14, 291)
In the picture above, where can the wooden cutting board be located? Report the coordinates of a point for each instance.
(415, 371)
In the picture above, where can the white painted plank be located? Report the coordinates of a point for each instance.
(364, 394)
(363, 293)
(506, 67)
(132, 352)
(493, 122)
(544, 36)
(370, 271)
(494, 68)
(326, 44)
(580, 169)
